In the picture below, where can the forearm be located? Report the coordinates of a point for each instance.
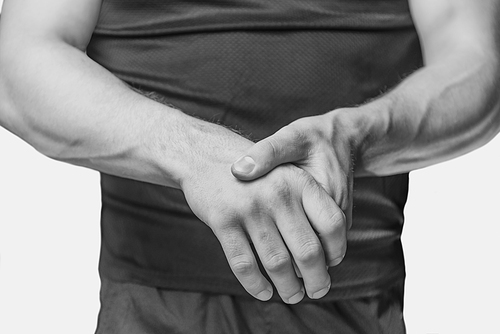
(73, 110)
(444, 110)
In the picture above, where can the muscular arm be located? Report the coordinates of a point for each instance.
(449, 107)
(72, 109)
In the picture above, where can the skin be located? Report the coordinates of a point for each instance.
(71, 109)
(446, 109)
(67, 107)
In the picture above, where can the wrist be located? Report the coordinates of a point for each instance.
(353, 126)
(379, 132)
(208, 148)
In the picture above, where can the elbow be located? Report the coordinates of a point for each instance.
(10, 119)
(494, 125)
(5, 109)
(15, 119)
(489, 126)
(26, 113)
(487, 103)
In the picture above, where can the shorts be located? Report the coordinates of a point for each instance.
(129, 308)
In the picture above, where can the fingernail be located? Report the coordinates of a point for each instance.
(337, 261)
(244, 165)
(296, 297)
(321, 293)
(264, 295)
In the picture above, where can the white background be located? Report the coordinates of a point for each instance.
(49, 244)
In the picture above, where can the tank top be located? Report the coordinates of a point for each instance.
(254, 65)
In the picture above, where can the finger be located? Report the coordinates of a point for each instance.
(282, 147)
(276, 259)
(328, 220)
(297, 270)
(242, 261)
(341, 190)
(306, 250)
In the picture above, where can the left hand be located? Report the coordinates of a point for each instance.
(319, 145)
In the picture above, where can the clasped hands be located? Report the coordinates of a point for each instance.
(290, 195)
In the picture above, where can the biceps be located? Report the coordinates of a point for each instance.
(71, 21)
(446, 26)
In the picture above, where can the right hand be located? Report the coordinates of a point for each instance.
(284, 214)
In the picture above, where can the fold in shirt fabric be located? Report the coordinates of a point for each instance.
(253, 65)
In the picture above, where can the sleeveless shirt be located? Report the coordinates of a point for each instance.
(254, 65)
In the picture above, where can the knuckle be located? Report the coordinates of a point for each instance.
(224, 227)
(335, 221)
(242, 265)
(277, 263)
(241, 210)
(250, 207)
(309, 181)
(223, 214)
(265, 237)
(291, 134)
(275, 147)
(297, 131)
(213, 219)
(283, 195)
(309, 252)
(279, 192)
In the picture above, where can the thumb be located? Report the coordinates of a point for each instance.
(266, 154)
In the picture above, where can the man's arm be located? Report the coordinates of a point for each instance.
(447, 108)
(71, 109)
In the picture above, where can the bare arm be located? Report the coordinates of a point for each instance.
(72, 109)
(449, 107)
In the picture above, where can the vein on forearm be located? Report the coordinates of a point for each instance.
(438, 113)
